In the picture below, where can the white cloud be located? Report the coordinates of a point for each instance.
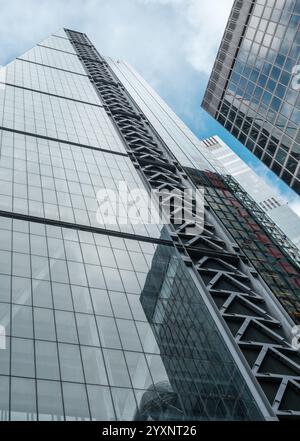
(207, 21)
(169, 31)
(172, 43)
(203, 24)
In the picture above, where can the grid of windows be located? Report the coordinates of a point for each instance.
(60, 33)
(54, 58)
(61, 44)
(83, 342)
(58, 181)
(260, 104)
(53, 81)
(46, 115)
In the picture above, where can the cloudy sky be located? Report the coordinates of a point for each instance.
(172, 43)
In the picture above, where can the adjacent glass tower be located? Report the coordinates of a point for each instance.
(254, 87)
(133, 320)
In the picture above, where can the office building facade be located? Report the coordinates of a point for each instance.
(254, 88)
(132, 320)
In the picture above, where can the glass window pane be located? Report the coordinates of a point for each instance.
(130, 282)
(23, 399)
(40, 268)
(21, 242)
(56, 249)
(129, 336)
(87, 330)
(95, 276)
(108, 332)
(22, 357)
(77, 273)
(116, 368)
(5, 318)
(5, 240)
(101, 302)
(73, 251)
(75, 401)
(93, 364)
(100, 403)
(125, 404)
(21, 291)
(139, 262)
(38, 245)
(81, 299)
(5, 262)
(137, 309)
(21, 265)
(44, 327)
(90, 254)
(113, 279)
(106, 257)
(70, 363)
(147, 338)
(62, 297)
(66, 327)
(46, 360)
(58, 270)
(157, 368)
(49, 397)
(138, 369)
(120, 305)
(5, 355)
(123, 261)
(22, 321)
(41, 295)
(4, 398)
(4, 288)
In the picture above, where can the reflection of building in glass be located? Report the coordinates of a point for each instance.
(199, 380)
(158, 403)
(252, 91)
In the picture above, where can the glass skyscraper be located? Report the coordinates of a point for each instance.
(132, 321)
(254, 87)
